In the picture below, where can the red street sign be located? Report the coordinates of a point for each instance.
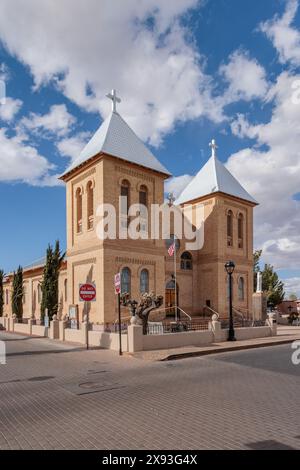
(87, 292)
(118, 283)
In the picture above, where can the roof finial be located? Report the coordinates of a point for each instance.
(113, 97)
(171, 199)
(214, 147)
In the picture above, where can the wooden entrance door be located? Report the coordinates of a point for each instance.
(170, 297)
(170, 301)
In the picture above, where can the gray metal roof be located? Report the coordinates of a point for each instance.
(213, 177)
(116, 138)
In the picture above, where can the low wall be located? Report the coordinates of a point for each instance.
(176, 340)
(136, 341)
(107, 340)
(39, 330)
(22, 328)
(248, 333)
(75, 336)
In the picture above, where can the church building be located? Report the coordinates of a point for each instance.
(115, 163)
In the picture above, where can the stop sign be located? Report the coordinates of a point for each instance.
(87, 292)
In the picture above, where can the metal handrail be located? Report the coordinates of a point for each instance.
(248, 314)
(212, 310)
(169, 308)
(239, 313)
(156, 311)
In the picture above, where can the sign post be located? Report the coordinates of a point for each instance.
(118, 293)
(87, 293)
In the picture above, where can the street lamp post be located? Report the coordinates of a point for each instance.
(229, 266)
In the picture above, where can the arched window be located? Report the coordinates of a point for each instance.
(241, 288)
(125, 281)
(143, 201)
(78, 210)
(186, 261)
(229, 228)
(143, 196)
(66, 289)
(125, 201)
(144, 281)
(90, 205)
(240, 231)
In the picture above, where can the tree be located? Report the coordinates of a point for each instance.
(49, 284)
(1, 292)
(17, 293)
(144, 307)
(272, 285)
(293, 296)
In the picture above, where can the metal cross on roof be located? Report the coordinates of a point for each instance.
(171, 199)
(214, 147)
(113, 97)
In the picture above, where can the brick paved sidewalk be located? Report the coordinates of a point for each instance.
(57, 396)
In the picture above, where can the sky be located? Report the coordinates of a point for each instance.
(187, 71)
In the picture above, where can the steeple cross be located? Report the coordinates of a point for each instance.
(114, 98)
(214, 147)
(171, 199)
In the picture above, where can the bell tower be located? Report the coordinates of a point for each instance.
(228, 235)
(117, 170)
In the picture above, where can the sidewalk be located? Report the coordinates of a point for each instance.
(285, 334)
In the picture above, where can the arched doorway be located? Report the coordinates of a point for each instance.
(170, 297)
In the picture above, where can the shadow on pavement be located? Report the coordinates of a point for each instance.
(47, 351)
(269, 445)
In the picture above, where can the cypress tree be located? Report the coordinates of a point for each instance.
(1, 292)
(49, 285)
(46, 282)
(17, 293)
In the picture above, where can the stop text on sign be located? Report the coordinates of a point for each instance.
(87, 292)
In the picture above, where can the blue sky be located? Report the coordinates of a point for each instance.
(221, 68)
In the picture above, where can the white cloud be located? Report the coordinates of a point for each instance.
(10, 108)
(177, 184)
(58, 122)
(272, 176)
(72, 146)
(4, 72)
(285, 38)
(139, 47)
(245, 76)
(242, 128)
(292, 286)
(20, 161)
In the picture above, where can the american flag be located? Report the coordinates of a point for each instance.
(171, 249)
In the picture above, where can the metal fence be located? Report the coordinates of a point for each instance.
(159, 328)
(114, 327)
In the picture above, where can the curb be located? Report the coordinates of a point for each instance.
(173, 357)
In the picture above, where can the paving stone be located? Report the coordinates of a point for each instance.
(236, 400)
